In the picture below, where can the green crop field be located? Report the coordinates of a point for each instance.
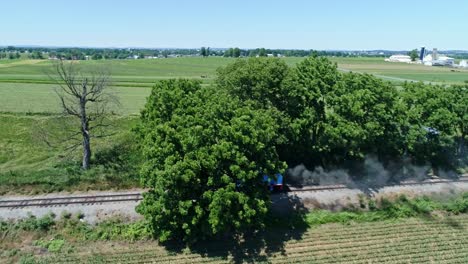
(25, 86)
(123, 71)
(41, 98)
(440, 240)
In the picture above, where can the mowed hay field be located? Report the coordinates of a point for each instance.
(25, 86)
(439, 240)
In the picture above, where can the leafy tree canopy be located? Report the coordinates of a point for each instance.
(204, 154)
(206, 148)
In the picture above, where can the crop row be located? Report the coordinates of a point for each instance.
(397, 254)
(337, 249)
(378, 251)
(362, 246)
(414, 241)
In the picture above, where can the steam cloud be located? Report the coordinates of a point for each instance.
(373, 173)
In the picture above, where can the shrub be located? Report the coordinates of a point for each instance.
(37, 224)
(54, 245)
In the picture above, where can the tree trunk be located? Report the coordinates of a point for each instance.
(85, 131)
(462, 146)
(86, 151)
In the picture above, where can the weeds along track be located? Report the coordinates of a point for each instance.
(137, 196)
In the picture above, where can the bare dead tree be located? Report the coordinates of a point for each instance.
(84, 96)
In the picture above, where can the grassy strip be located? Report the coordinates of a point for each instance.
(385, 209)
(29, 165)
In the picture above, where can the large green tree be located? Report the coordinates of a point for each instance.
(437, 116)
(364, 117)
(263, 82)
(459, 106)
(203, 52)
(256, 79)
(205, 152)
(312, 81)
(413, 55)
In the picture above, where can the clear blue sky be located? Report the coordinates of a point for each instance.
(332, 24)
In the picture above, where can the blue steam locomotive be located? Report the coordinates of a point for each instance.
(274, 183)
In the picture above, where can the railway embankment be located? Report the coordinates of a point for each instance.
(98, 206)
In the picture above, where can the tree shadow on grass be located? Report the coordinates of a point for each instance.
(286, 222)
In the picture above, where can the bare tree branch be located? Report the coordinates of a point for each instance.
(84, 96)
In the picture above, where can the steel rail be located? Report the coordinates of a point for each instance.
(137, 196)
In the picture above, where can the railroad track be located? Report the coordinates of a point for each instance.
(137, 196)
(403, 183)
(67, 200)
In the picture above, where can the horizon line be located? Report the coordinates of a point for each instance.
(193, 48)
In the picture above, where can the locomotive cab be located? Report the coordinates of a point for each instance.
(274, 184)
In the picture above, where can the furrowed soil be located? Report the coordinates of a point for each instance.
(435, 239)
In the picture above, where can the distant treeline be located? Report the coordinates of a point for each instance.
(262, 52)
(12, 52)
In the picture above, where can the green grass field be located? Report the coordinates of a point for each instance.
(416, 240)
(123, 71)
(26, 88)
(41, 98)
(29, 165)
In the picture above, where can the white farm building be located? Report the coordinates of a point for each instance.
(464, 64)
(440, 60)
(435, 59)
(399, 58)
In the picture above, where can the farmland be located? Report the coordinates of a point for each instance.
(414, 240)
(28, 99)
(26, 88)
(403, 71)
(412, 233)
